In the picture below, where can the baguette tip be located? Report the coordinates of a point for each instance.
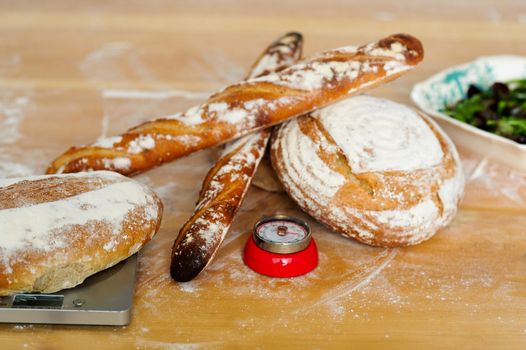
(414, 52)
(183, 272)
(292, 36)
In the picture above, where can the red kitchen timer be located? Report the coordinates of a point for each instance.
(281, 246)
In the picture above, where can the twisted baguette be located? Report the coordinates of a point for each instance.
(227, 182)
(248, 106)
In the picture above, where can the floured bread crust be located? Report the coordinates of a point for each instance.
(55, 231)
(371, 169)
(265, 177)
(248, 106)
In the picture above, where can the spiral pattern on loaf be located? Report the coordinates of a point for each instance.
(382, 135)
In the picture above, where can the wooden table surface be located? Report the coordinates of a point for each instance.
(73, 71)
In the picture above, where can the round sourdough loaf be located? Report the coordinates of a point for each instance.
(370, 169)
(57, 230)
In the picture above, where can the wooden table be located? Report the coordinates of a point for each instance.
(72, 71)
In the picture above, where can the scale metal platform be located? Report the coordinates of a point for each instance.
(105, 298)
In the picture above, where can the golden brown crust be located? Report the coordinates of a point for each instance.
(362, 200)
(227, 182)
(221, 196)
(265, 177)
(49, 189)
(65, 255)
(249, 106)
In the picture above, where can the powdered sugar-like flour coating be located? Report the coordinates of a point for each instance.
(37, 226)
(301, 162)
(382, 135)
(313, 75)
(210, 227)
(258, 102)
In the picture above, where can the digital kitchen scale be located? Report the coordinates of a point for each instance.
(102, 299)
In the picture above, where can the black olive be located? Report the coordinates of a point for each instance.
(493, 105)
(487, 103)
(473, 90)
(505, 111)
(486, 115)
(480, 123)
(517, 138)
(500, 90)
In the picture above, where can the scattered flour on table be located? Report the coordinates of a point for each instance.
(166, 190)
(9, 167)
(9, 64)
(216, 67)
(506, 185)
(113, 62)
(106, 63)
(350, 285)
(13, 108)
(123, 62)
(370, 278)
(153, 95)
(188, 287)
(143, 343)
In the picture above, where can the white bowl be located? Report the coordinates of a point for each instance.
(451, 85)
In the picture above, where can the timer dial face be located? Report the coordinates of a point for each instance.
(281, 246)
(281, 231)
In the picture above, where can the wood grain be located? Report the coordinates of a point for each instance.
(70, 71)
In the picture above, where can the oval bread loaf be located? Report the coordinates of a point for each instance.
(55, 231)
(371, 169)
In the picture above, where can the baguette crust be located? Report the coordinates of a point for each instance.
(227, 182)
(221, 196)
(55, 231)
(265, 177)
(248, 106)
